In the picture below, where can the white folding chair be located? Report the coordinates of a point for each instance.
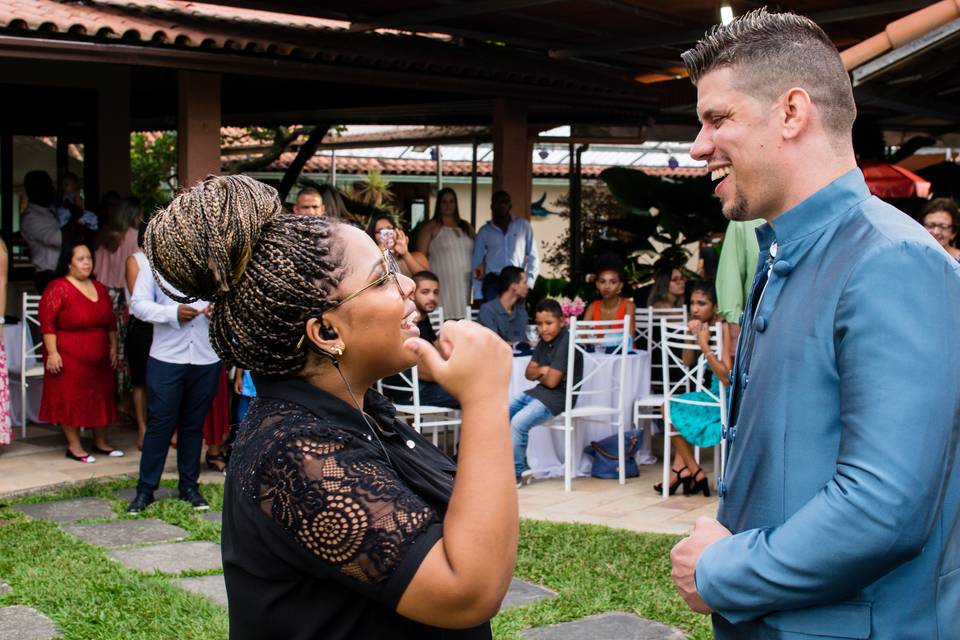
(584, 336)
(469, 315)
(673, 315)
(641, 327)
(421, 416)
(436, 318)
(31, 355)
(674, 339)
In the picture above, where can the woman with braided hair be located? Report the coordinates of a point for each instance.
(339, 520)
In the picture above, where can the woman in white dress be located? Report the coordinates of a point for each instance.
(447, 240)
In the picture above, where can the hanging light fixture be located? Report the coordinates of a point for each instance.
(726, 14)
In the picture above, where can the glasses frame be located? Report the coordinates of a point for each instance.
(390, 267)
(941, 226)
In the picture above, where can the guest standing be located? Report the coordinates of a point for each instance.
(117, 241)
(447, 241)
(40, 227)
(80, 351)
(504, 241)
(182, 376)
(137, 343)
(6, 433)
(383, 228)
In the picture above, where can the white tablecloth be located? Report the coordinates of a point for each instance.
(11, 344)
(545, 447)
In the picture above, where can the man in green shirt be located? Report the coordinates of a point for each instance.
(738, 265)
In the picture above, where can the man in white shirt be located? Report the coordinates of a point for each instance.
(182, 375)
(40, 227)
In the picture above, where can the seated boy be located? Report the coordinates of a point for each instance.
(548, 366)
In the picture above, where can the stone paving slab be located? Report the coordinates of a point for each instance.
(4, 588)
(175, 557)
(522, 592)
(121, 533)
(68, 510)
(212, 587)
(24, 623)
(213, 516)
(160, 494)
(607, 626)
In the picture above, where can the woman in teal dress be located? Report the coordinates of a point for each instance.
(698, 425)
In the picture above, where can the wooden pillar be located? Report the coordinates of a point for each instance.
(512, 154)
(113, 132)
(198, 126)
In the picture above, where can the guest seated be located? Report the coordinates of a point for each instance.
(611, 305)
(940, 217)
(506, 315)
(548, 366)
(669, 286)
(698, 425)
(425, 296)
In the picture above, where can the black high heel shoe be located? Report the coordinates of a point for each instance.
(695, 486)
(674, 485)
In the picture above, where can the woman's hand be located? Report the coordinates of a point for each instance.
(113, 357)
(401, 244)
(700, 331)
(472, 363)
(238, 382)
(54, 363)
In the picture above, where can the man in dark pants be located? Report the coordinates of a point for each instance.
(182, 376)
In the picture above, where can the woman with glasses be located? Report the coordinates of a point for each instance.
(941, 217)
(669, 286)
(340, 521)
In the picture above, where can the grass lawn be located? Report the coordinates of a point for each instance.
(592, 569)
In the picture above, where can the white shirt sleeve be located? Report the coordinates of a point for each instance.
(144, 301)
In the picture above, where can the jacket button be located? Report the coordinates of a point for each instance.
(721, 488)
(782, 268)
(723, 433)
(760, 324)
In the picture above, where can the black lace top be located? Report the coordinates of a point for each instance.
(323, 529)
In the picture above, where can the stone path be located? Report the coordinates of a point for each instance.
(24, 623)
(68, 510)
(160, 494)
(161, 548)
(121, 533)
(607, 626)
(173, 558)
(213, 516)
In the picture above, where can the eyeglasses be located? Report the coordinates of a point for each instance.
(391, 270)
(938, 226)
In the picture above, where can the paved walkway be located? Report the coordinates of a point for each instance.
(37, 462)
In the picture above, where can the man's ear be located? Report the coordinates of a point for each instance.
(796, 111)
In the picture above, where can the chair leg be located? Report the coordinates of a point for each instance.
(667, 461)
(568, 458)
(23, 405)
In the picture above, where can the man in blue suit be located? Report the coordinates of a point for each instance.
(838, 512)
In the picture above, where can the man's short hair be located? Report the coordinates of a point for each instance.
(773, 52)
(420, 276)
(508, 276)
(308, 191)
(38, 186)
(550, 305)
(499, 195)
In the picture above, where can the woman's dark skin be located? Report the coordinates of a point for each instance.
(463, 578)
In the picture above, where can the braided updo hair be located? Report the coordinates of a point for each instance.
(227, 240)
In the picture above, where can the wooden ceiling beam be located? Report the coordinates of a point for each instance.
(447, 12)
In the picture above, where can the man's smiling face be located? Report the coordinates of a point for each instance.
(739, 143)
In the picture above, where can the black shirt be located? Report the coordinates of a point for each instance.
(324, 528)
(553, 354)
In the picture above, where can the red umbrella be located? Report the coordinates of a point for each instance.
(891, 181)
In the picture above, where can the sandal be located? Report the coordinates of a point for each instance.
(675, 485)
(86, 459)
(216, 462)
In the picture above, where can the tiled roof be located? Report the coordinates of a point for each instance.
(397, 166)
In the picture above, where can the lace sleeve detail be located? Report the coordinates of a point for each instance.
(51, 303)
(342, 504)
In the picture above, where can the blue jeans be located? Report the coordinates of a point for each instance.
(526, 412)
(178, 397)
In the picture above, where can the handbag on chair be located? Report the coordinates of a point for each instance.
(605, 458)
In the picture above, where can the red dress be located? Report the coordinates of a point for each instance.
(82, 394)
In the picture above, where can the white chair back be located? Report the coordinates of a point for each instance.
(586, 336)
(436, 318)
(674, 340)
(422, 417)
(673, 315)
(469, 313)
(31, 355)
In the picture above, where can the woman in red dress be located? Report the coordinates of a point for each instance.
(80, 351)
